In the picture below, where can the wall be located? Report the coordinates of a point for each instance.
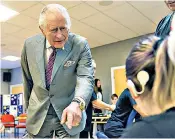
(108, 56)
(4, 85)
(16, 76)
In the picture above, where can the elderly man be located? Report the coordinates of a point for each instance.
(58, 77)
(164, 26)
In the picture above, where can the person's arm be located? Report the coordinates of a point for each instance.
(27, 79)
(84, 85)
(102, 105)
(163, 28)
(85, 80)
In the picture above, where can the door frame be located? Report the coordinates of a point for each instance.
(112, 76)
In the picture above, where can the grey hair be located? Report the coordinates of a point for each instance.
(52, 8)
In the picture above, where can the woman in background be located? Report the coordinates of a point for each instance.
(98, 91)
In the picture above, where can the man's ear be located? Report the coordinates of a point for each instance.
(132, 89)
(42, 30)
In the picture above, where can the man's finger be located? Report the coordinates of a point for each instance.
(63, 117)
(77, 118)
(69, 120)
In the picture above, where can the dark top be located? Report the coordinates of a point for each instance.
(158, 126)
(89, 112)
(118, 120)
(164, 26)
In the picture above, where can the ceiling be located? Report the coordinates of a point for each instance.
(99, 24)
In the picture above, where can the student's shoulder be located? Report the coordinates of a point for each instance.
(164, 20)
(140, 129)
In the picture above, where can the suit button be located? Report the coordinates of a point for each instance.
(51, 95)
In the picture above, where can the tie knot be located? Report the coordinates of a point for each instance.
(53, 48)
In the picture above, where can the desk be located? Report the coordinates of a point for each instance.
(21, 118)
(98, 120)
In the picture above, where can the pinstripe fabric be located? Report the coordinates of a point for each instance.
(49, 67)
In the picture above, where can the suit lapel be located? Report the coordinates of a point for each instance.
(40, 57)
(61, 55)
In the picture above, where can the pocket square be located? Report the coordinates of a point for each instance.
(69, 63)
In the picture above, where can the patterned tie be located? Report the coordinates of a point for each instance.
(49, 67)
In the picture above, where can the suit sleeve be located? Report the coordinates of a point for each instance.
(85, 81)
(27, 79)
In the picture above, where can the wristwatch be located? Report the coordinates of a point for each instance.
(81, 103)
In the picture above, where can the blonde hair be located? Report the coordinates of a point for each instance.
(164, 85)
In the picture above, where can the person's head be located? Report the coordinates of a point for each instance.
(54, 22)
(140, 69)
(114, 98)
(164, 90)
(98, 86)
(97, 83)
(170, 4)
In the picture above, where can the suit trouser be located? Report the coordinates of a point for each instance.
(52, 127)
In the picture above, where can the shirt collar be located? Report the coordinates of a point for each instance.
(48, 45)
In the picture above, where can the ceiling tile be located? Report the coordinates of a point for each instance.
(93, 43)
(81, 11)
(7, 52)
(34, 27)
(33, 11)
(25, 33)
(66, 4)
(146, 8)
(11, 40)
(91, 33)
(18, 5)
(131, 18)
(22, 20)
(9, 28)
(15, 48)
(96, 5)
(109, 26)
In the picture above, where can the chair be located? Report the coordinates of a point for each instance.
(101, 135)
(21, 122)
(131, 117)
(8, 121)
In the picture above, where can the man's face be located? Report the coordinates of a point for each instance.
(114, 101)
(55, 31)
(170, 4)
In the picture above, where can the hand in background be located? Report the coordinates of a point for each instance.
(1, 127)
(113, 107)
(71, 115)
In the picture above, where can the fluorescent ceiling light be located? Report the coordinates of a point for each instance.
(6, 13)
(11, 58)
